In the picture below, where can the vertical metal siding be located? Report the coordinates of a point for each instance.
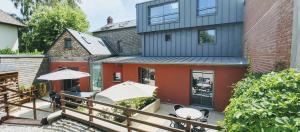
(185, 42)
(228, 11)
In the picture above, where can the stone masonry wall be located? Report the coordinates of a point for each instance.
(130, 40)
(58, 50)
(268, 33)
(29, 67)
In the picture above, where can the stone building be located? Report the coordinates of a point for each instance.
(122, 36)
(78, 51)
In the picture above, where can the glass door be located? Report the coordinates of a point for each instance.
(96, 77)
(202, 88)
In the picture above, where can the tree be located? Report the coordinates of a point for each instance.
(47, 23)
(27, 7)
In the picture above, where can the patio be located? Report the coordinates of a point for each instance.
(166, 108)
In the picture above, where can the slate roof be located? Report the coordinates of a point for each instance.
(120, 25)
(7, 69)
(93, 45)
(7, 19)
(178, 60)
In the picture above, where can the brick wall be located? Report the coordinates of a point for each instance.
(130, 40)
(268, 33)
(29, 67)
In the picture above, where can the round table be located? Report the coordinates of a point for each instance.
(188, 112)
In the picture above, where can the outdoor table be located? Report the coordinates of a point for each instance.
(203, 85)
(81, 94)
(194, 114)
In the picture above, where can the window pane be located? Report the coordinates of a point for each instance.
(164, 13)
(206, 7)
(147, 76)
(170, 8)
(171, 18)
(207, 37)
(156, 11)
(156, 20)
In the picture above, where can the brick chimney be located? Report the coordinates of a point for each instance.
(109, 20)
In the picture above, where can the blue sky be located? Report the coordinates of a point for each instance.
(96, 10)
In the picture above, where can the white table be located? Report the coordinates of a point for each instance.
(203, 85)
(189, 112)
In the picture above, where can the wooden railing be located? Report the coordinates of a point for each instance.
(29, 93)
(128, 115)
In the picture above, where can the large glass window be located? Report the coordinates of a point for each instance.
(202, 88)
(206, 7)
(147, 76)
(207, 36)
(164, 13)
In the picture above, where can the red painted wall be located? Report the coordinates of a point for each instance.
(174, 81)
(82, 66)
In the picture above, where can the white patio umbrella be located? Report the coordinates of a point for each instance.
(63, 75)
(126, 90)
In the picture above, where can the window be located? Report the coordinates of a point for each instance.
(117, 76)
(206, 7)
(168, 37)
(147, 76)
(84, 38)
(68, 43)
(120, 50)
(207, 36)
(164, 13)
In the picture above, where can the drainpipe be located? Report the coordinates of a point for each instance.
(295, 49)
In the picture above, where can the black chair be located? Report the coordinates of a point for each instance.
(176, 124)
(52, 97)
(205, 115)
(177, 106)
(57, 101)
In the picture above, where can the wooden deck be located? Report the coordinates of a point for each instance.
(23, 122)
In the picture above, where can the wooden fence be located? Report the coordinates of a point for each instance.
(128, 115)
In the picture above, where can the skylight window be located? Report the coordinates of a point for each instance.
(84, 38)
(101, 43)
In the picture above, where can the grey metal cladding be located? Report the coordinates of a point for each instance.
(229, 42)
(237, 61)
(227, 11)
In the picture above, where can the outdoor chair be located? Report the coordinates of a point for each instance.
(57, 101)
(205, 115)
(177, 106)
(52, 97)
(176, 124)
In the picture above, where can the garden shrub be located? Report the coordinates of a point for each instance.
(267, 103)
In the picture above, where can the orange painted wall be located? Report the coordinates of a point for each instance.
(82, 66)
(173, 81)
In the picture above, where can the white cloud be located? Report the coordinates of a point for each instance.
(96, 10)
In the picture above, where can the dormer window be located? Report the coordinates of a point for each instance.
(68, 43)
(165, 13)
(206, 7)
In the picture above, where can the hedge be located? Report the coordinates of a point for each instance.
(270, 102)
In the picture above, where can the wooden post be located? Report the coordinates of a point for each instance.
(128, 115)
(188, 124)
(90, 105)
(6, 105)
(62, 101)
(33, 102)
(54, 106)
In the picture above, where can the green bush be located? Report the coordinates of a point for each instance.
(267, 103)
(137, 103)
(8, 51)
